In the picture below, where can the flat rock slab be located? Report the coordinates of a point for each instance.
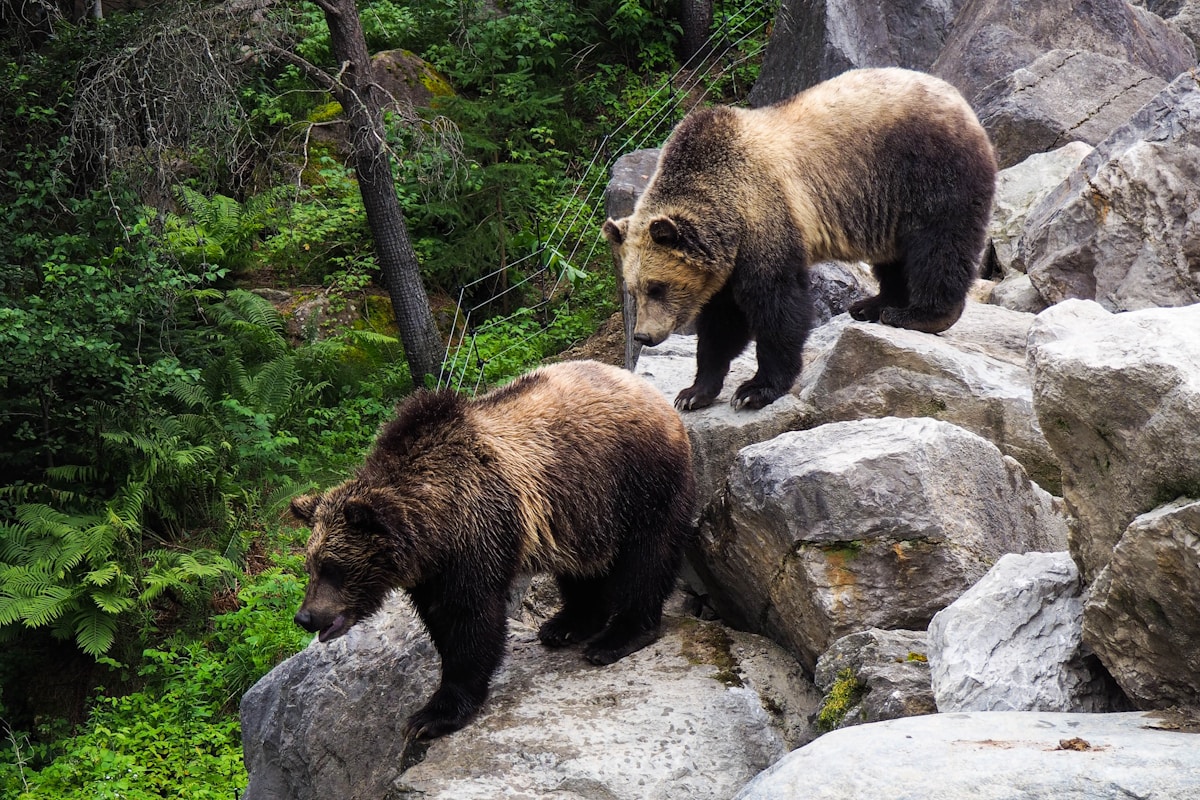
(1001, 755)
(570, 731)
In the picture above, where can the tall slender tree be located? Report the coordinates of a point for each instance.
(363, 102)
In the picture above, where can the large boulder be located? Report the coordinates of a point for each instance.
(1019, 189)
(1143, 616)
(1117, 396)
(999, 755)
(1124, 228)
(1014, 642)
(873, 523)
(814, 41)
(684, 717)
(973, 375)
(1063, 95)
(991, 40)
(718, 432)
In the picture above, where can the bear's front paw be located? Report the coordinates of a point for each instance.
(866, 310)
(447, 711)
(692, 399)
(753, 395)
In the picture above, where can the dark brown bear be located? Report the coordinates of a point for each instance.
(578, 469)
(887, 166)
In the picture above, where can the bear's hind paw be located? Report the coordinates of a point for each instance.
(753, 395)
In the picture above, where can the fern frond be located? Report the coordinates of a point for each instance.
(95, 630)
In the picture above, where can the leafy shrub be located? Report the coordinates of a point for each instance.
(178, 736)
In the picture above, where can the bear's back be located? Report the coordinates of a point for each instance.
(566, 435)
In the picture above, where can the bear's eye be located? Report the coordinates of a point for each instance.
(656, 290)
(331, 574)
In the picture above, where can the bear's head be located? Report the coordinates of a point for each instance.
(672, 266)
(361, 548)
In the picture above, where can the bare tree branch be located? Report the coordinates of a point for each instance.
(314, 73)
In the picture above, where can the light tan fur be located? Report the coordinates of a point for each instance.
(521, 432)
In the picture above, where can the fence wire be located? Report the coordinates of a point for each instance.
(559, 256)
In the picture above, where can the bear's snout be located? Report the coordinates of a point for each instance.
(645, 339)
(304, 619)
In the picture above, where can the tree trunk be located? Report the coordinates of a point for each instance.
(696, 18)
(362, 102)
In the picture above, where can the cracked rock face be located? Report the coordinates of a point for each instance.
(1063, 96)
(872, 523)
(1013, 642)
(1124, 228)
(990, 41)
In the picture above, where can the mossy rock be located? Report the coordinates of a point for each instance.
(409, 78)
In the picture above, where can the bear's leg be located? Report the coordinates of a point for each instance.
(722, 333)
(583, 614)
(893, 292)
(938, 269)
(780, 314)
(469, 633)
(641, 578)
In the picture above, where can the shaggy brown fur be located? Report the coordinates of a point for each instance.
(578, 469)
(887, 166)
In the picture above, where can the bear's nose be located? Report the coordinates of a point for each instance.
(305, 620)
(644, 339)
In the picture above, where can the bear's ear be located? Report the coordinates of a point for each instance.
(665, 231)
(304, 506)
(360, 514)
(374, 511)
(614, 229)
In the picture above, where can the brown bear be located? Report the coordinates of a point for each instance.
(887, 166)
(578, 469)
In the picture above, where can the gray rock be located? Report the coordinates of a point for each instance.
(873, 523)
(1017, 293)
(814, 41)
(889, 674)
(973, 375)
(1124, 228)
(1062, 96)
(1117, 396)
(329, 721)
(719, 431)
(1018, 189)
(1000, 755)
(1143, 616)
(991, 40)
(686, 717)
(838, 284)
(1013, 642)
(629, 175)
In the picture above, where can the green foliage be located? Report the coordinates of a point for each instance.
(845, 693)
(152, 424)
(176, 737)
(219, 230)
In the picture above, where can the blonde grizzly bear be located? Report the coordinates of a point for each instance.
(578, 469)
(887, 166)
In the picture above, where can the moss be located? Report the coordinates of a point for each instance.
(326, 112)
(845, 693)
(704, 643)
(921, 657)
